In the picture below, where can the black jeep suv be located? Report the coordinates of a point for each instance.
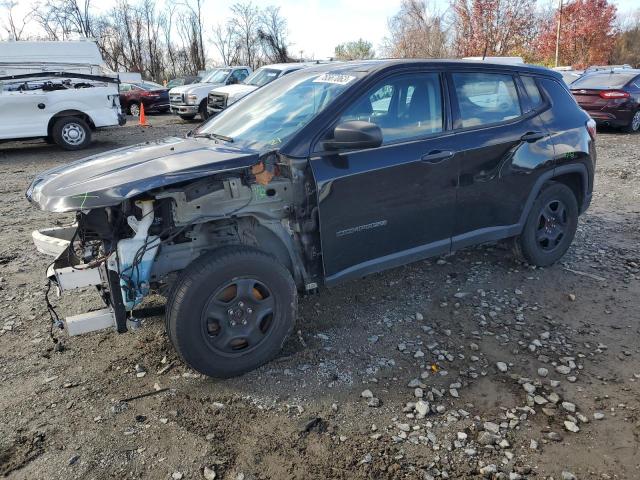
(324, 175)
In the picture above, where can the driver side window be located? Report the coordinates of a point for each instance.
(404, 107)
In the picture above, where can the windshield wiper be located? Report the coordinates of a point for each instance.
(215, 136)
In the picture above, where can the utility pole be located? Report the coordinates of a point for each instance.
(558, 31)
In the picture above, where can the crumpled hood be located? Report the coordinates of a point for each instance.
(109, 178)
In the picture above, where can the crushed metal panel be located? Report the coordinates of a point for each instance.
(90, 322)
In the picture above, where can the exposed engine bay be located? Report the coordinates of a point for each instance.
(140, 245)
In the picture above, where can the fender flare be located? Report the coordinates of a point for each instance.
(550, 175)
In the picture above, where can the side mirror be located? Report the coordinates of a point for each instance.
(355, 135)
(232, 81)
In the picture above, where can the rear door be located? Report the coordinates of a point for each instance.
(504, 147)
(387, 206)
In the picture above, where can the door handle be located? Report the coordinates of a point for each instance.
(531, 137)
(437, 156)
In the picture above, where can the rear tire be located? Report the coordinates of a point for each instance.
(71, 133)
(634, 124)
(231, 311)
(550, 226)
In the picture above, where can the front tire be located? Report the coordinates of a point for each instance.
(550, 226)
(231, 311)
(71, 133)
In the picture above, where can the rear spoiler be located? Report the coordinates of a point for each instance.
(84, 76)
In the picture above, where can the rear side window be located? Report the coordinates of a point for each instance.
(485, 98)
(403, 107)
(530, 86)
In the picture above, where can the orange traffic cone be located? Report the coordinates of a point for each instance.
(143, 119)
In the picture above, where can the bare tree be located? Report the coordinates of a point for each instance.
(13, 26)
(245, 21)
(272, 34)
(224, 39)
(416, 31)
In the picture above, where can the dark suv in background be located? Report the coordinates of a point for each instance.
(611, 97)
(328, 174)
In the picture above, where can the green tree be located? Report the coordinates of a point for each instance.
(358, 50)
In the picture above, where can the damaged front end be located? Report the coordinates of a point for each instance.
(132, 236)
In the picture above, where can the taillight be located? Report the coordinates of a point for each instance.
(591, 128)
(609, 94)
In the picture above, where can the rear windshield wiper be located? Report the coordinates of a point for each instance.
(215, 136)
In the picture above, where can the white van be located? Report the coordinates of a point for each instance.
(59, 91)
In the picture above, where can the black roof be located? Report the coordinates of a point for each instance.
(369, 66)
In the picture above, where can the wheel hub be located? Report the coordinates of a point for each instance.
(238, 317)
(239, 314)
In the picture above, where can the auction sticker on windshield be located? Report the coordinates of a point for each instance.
(334, 78)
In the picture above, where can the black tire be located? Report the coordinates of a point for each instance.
(550, 226)
(187, 117)
(71, 133)
(634, 124)
(231, 311)
(204, 113)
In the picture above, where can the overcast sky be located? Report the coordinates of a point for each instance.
(317, 26)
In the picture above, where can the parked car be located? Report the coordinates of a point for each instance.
(569, 74)
(153, 96)
(221, 97)
(188, 101)
(329, 174)
(188, 80)
(59, 91)
(611, 97)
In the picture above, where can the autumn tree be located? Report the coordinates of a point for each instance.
(357, 50)
(492, 27)
(587, 35)
(416, 31)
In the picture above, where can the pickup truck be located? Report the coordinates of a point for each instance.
(221, 97)
(187, 101)
(58, 91)
(329, 174)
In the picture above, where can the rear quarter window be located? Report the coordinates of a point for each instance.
(533, 92)
(485, 98)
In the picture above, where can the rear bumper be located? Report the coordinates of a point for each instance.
(161, 106)
(607, 116)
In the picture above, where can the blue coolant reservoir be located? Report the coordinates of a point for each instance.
(136, 256)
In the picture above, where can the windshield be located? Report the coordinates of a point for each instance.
(604, 80)
(262, 76)
(217, 76)
(279, 110)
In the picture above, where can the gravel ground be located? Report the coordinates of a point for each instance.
(467, 366)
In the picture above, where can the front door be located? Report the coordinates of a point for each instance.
(387, 206)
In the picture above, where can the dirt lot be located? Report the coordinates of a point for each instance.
(423, 340)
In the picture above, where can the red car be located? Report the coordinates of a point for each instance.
(611, 97)
(153, 96)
